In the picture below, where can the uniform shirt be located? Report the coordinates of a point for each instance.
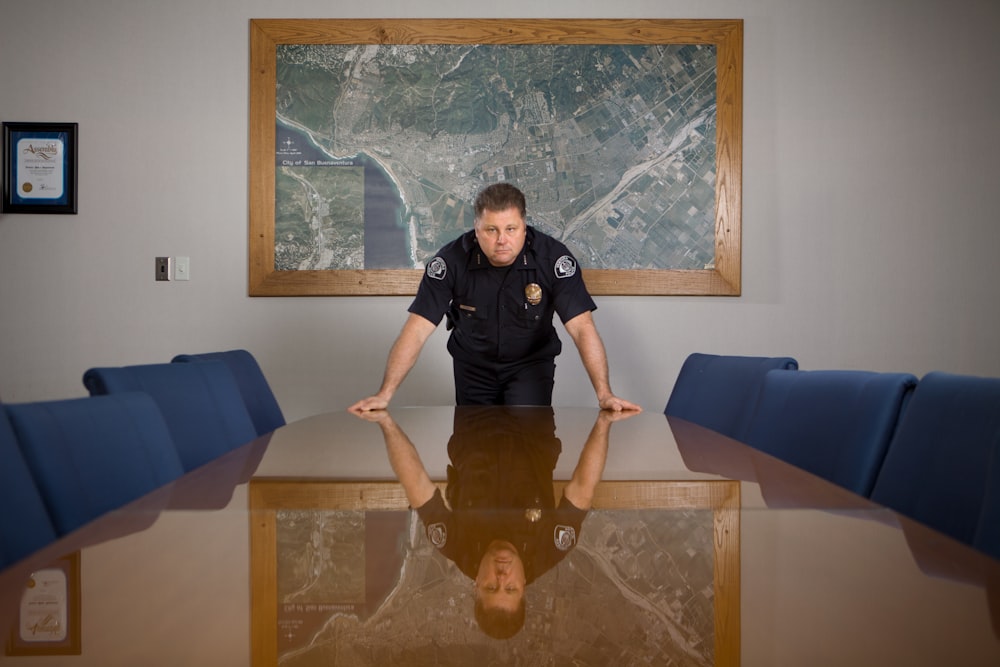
(502, 314)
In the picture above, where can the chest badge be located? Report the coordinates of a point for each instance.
(533, 293)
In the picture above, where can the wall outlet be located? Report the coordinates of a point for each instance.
(163, 269)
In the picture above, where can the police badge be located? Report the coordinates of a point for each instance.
(533, 293)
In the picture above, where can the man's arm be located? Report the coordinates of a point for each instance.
(402, 357)
(588, 342)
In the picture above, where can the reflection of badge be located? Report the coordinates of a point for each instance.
(533, 514)
(565, 267)
(564, 537)
(437, 269)
(533, 293)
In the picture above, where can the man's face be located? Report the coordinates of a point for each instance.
(500, 580)
(501, 235)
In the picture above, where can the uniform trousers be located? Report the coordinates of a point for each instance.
(521, 383)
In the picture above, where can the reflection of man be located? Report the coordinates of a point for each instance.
(499, 286)
(498, 520)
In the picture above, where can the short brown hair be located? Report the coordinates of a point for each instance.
(500, 197)
(499, 623)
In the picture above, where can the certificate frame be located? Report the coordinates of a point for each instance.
(45, 152)
(70, 642)
(267, 496)
(721, 277)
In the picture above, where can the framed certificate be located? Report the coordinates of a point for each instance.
(39, 167)
(48, 619)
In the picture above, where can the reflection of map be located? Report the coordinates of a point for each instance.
(637, 590)
(380, 150)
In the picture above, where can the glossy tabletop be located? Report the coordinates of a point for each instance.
(300, 549)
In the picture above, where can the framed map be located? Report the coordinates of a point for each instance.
(343, 572)
(369, 140)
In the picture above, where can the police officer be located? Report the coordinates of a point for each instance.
(499, 286)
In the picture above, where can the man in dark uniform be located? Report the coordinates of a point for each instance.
(499, 286)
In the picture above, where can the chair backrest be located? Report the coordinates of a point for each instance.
(201, 404)
(937, 465)
(257, 395)
(92, 455)
(25, 525)
(720, 391)
(836, 424)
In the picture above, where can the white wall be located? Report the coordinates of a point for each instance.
(869, 180)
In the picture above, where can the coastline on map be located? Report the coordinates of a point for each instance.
(390, 236)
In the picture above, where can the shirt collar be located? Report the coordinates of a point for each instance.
(525, 260)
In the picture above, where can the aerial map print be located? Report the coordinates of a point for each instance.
(380, 150)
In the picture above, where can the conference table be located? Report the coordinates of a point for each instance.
(300, 548)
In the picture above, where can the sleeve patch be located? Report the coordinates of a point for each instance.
(437, 269)
(565, 267)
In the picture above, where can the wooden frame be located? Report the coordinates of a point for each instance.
(39, 168)
(268, 496)
(723, 277)
(63, 578)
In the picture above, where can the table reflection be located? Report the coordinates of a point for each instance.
(572, 570)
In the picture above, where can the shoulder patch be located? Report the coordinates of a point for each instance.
(565, 267)
(437, 269)
(437, 533)
(564, 537)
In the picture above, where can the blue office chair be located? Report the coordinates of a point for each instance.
(257, 395)
(92, 455)
(25, 525)
(200, 402)
(719, 391)
(836, 424)
(936, 469)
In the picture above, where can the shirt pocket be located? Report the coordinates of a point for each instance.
(470, 318)
(529, 316)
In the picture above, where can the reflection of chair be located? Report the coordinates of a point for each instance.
(92, 455)
(257, 395)
(836, 424)
(935, 470)
(719, 392)
(25, 525)
(201, 403)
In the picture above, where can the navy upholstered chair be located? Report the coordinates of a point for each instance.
(720, 391)
(201, 404)
(938, 466)
(92, 455)
(25, 525)
(836, 424)
(257, 395)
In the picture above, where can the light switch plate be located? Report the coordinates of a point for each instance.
(182, 268)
